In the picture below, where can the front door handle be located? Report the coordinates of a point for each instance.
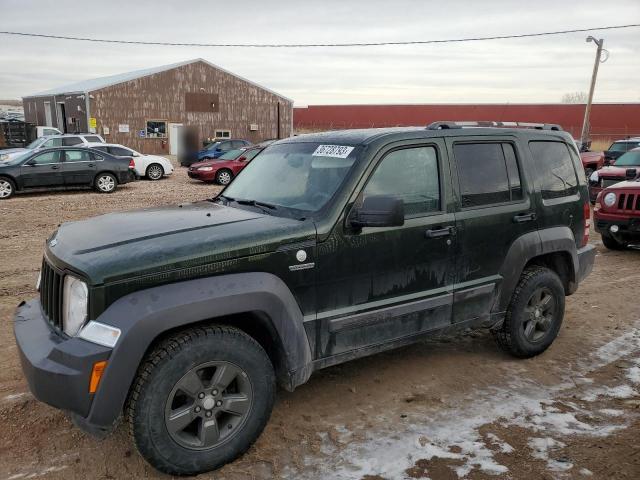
(91, 165)
(440, 232)
(524, 217)
(55, 167)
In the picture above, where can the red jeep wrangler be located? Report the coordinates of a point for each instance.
(626, 167)
(617, 214)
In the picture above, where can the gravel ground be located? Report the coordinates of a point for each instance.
(457, 408)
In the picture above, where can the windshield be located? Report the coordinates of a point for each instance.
(231, 155)
(300, 176)
(629, 159)
(623, 146)
(36, 143)
(212, 146)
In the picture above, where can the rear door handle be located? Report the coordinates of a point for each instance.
(91, 165)
(440, 232)
(524, 217)
(55, 167)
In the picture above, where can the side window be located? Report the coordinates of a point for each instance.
(93, 139)
(250, 154)
(120, 152)
(410, 174)
(555, 167)
(70, 141)
(44, 158)
(488, 173)
(53, 142)
(76, 156)
(100, 149)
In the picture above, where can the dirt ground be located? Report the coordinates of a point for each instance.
(457, 408)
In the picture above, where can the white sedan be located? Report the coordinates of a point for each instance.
(152, 167)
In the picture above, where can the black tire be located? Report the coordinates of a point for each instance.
(154, 171)
(165, 369)
(7, 188)
(224, 176)
(517, 336)
(611, 243)
(105, 183)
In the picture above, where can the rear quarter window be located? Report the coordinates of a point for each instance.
(556, 172)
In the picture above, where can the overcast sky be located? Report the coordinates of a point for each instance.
(523, 70)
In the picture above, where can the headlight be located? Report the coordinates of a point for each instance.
(205, 169)
(594, 177)
(610, 199)
(74, 305)
(4, 157)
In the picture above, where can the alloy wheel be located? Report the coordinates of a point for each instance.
(106, 183)
(208, 405)
(539, 312)
(224, 178)
(6, 189)
(155, 172)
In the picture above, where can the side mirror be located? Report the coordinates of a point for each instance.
(378, 211)
(242, 159)
(30, 163)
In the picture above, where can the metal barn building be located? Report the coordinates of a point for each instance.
(146, 109)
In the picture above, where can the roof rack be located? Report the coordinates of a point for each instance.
(491, 124)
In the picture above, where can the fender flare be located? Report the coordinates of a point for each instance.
(527, 247)
(144, 315)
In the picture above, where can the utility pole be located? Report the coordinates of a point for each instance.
(585, 125)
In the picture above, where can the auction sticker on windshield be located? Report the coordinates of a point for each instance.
(339, 151)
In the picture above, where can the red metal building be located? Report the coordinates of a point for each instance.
(608, 120)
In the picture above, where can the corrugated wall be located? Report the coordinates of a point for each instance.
(607, 120)
(162, 97)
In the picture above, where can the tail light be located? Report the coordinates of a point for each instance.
(132, 164)
(587, 224)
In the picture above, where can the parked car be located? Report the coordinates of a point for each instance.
(327, 247)
(43, 131)
(619, 147)
(625, 167)
(153, 167)
(592, 161)
(214, 150)
(50, 141)
(224, 168)
(54, 168)
(617, 214)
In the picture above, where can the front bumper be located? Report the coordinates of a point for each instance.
(204, 176)
(628, 226)
(57, 368)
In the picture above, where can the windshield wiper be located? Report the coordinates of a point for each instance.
(255, 203)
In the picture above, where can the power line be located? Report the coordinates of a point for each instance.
(315, 45)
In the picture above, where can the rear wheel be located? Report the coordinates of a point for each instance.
(611, 243)
(224, 177)
(105, 183)
(200, 400)
(534, 315)
(154, 171)
(7, 188)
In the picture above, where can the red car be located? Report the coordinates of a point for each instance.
(224, 168)
(617, 214)
(592, 161)
(626, 167)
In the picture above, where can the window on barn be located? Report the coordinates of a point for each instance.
(156, 129)
(223, 133)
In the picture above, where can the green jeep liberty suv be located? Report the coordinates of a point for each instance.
(327, 247)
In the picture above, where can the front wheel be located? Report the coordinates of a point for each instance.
(7, 188)
(534, 315)
(154, 171)
(105, 183)
(611, 243)
(223, 177)
(201, 399)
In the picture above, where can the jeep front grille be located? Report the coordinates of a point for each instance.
(51, 294)
(629, 202)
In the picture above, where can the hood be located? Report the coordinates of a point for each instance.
(124, 245)
(12, 152)
(626, 185)
(613, 171)
(207, 163)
